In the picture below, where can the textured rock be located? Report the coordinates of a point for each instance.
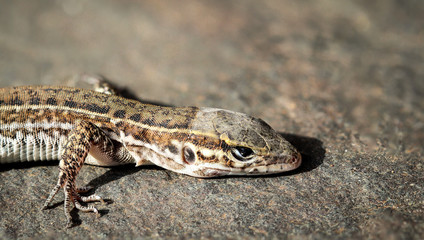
(342, 81)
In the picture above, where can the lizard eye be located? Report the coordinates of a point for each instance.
(242, 153)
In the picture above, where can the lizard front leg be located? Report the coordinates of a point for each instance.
(82, 138)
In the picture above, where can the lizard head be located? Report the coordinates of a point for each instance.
(230, 143)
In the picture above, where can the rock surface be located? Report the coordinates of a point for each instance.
(343, 81)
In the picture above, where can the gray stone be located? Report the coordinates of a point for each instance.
(342, 80)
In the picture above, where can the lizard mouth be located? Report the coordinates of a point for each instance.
(210, 173)
(292, 162)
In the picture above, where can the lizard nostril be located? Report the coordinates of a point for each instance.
(297, 159)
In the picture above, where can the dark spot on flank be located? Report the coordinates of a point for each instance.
(135, 117)
(142, 137)
(86, 95)
(51, 101)
(165, 123)
(119, 114)
(16, 101)
(138, 137)
(70, 104)
(149, 121)
(120, 124)
(96, 108)
(34, 101)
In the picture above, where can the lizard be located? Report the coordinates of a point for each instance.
(100, 127)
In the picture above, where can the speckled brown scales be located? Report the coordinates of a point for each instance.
(82, 138)
(80, 126)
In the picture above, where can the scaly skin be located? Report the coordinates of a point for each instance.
(77, 126)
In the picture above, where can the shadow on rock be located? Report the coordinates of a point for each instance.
(113, 174)
(23, 165)
(311, 150)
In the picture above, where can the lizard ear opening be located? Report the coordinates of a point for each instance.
(189, 156)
